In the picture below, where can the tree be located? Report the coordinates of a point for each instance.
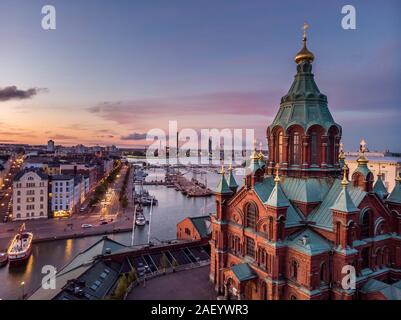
(164, 263)
(132, 276)
(121, 288)
(175, 265)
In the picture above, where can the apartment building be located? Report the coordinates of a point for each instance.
(30, 195)
(68, 193)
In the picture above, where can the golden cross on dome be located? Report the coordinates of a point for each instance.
(363, 146)
(305, 28)
(222, 169)
(277, 177)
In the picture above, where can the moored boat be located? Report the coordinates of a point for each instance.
(20, 248)
(3, 258)
(140, 220)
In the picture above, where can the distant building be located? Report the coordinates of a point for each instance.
(194, 228)
(389, 168)
(30, 195)
(50, 146)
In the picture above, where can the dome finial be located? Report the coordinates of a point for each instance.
(254, 155)
(344, 182)
(362, 159)
(304, 54)
(277, 177)
(341, 154)
(305, 28)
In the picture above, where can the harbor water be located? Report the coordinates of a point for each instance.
(172, 207)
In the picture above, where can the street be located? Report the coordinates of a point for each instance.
(6, 189)
(106, 217)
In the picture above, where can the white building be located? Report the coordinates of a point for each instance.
(30, 195)
(388, 167)
(68, 193)
(62, 202)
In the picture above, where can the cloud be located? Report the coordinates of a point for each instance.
(63, 137)
(13, 93)
(196, 111)
(134, 136)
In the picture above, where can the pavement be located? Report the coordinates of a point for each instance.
(190, 284)
(64, 228)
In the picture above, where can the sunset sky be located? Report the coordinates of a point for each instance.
(112, 70)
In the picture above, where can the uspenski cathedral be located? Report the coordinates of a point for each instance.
(303, 226)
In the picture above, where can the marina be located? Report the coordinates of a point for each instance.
(172, 207)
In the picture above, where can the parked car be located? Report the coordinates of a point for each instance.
(103, 222)
(86, 226)
(82, 209)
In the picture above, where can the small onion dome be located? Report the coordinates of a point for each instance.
(304, 54)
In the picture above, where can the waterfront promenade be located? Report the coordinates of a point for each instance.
(118, 220)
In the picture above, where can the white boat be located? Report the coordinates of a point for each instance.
(140, 220)
(20, 248)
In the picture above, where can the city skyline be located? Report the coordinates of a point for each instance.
(107, 77)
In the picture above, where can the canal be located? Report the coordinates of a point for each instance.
(172, 207)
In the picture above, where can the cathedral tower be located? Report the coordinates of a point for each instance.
(303, 138)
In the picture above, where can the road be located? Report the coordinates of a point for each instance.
(6, 189)
(109, 210)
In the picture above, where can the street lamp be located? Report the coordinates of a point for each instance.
(22, 288)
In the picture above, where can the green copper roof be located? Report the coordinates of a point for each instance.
(363, 169)
(395, 195)
(232, 184)
(390, 291)
(305, 189)
(202, 225)
(265, 188)
(322, 216)
(253, 167)
(222, 187)
(304, 104)
(308, 242)
(277, 198)
(243, 272)
(380, 189)
(344, 202)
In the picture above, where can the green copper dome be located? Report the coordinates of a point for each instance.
(304, 105)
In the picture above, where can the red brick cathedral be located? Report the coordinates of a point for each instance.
(301, 216)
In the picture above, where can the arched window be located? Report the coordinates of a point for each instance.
(314, 148)
(365, 258)
(293, 297)
(323, 272)
(296, 149)
(250, 247)
(280, 147)
(294, 269)
(250, 213)
(385, 257)
(365, 225)
(270, 235)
